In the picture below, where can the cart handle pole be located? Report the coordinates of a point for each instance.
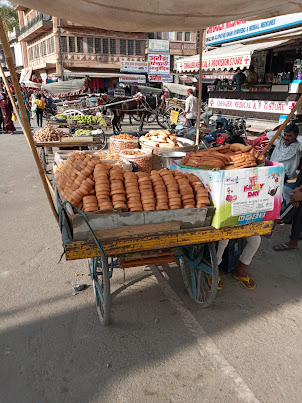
(26, 125)
(199, 88)
(282, 127)
(11, 96)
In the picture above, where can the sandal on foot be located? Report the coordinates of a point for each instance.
(219, 285)
(244, 280)
(282, 247)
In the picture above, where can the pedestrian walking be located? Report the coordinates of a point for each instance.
(7, 113)
(40, 109)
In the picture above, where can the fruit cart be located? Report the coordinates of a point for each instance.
(184, 237)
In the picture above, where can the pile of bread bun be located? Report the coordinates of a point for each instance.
(229, 156)
(161, 139)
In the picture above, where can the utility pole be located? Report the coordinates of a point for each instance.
(60, 48)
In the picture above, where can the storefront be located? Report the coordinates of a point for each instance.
(277, 61)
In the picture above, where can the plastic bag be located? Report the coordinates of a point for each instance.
(14, 117)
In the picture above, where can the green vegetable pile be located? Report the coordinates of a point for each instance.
(81, 132)
(89, 119)
(60, 115)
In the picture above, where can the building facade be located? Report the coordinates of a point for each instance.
(51, 45)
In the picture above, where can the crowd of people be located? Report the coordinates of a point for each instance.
(36, 101)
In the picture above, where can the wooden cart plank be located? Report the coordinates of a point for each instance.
(161, 240)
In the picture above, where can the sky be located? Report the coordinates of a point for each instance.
(2, 2)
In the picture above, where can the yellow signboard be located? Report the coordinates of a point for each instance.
(174, 116)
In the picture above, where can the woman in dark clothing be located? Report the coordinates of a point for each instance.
(7, 112)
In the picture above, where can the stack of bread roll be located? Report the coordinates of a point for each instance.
(102, 186)
(74, 178)
(201, 194)
(93, 185)
(117, 190)
(174, 197)
(90, 204)
(146, 191)
(160, 191)
(185, 190)
(133, 195)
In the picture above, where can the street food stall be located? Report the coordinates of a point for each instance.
(158, 216)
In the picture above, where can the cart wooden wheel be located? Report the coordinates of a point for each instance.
(197, 262)
(99, 273)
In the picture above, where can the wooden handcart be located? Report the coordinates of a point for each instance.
(146, 244)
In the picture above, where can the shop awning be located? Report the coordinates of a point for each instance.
(177, 88)
(226, 57)
(160, 15)
(62, 88)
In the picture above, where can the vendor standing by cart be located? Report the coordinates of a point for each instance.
(191, 110)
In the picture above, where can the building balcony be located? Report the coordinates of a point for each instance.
(38, 25)
(92, 60)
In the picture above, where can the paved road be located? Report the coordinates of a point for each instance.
(161, 347)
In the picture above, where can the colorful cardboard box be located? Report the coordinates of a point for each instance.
(242, 196)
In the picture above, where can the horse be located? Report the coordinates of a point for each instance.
(142, 107)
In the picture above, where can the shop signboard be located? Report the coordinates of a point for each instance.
(134, 67)
(278, 107)
(174, 116)
(158, 45)
(159, 64)
(215, 63)
(132, 80)
(167, 78)
(232, 30)
(176, 58)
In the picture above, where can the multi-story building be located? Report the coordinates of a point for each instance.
(54, 46)
(181, 43)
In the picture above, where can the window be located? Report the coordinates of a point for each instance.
(166, 36)
(90, 45)
(105, 46)
(179, 36)
(171, 36)
(63, 43)
(138, 48)
(80, 44)
(97, 45)
(187, 36)
(123, 49)
(43, 48)
(71, 40)
(151, 35)
(159, 35)
(130, 46)
(112, 46)
(50, 45)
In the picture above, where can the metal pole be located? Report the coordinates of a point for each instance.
(199, 87)
(26, 125)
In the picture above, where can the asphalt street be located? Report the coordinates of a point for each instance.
(161, 347)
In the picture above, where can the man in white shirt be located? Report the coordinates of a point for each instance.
(191, 108)
(288, 149)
